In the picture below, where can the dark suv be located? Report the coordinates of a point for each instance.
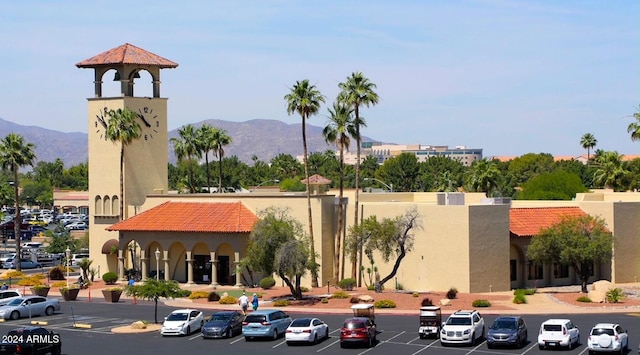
(508, 331)
(359, 330)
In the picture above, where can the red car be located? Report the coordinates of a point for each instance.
(358, 330)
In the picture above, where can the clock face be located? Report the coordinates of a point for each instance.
(100, 123)
(149, 123)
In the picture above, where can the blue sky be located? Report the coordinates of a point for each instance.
(510, 77)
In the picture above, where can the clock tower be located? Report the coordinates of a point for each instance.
(145, 158)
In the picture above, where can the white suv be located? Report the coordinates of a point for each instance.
(462, 327)
(558, 333)
(608, 337)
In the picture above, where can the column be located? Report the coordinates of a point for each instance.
(238, 271)
(189, 269)
(214, 269)
(121, 263)
(165, 258)
(144, 264)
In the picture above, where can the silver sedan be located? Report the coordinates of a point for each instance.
(29, 306)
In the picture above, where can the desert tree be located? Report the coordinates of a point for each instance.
(579, 242)
(153, 290)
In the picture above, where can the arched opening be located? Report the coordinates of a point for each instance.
(201, 264)
(107, 206)
(226, 264)
(97, 205)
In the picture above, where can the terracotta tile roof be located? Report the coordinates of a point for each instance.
(231, 217)
(527, 222)
(317, 180)
(127, 54)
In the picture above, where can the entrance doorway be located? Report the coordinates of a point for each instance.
(202, 269)
(223, 269)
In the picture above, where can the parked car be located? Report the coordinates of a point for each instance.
(462, 327)
(32, 245)
(558, 333)
(608, 337)
(266, 323)
(308, 330)
(182, 322)
(358, 330)
(7, 296)
(509, 331)
(224, 324)
(31, 340)
(24, 264)
(76, 258)
(29, 305)
(6, 257)
(73, 226)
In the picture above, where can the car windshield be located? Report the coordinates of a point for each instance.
(220, 317)
(15, 302)
(178, 316)
(598, 331)
(303, 322)
(459, 321)
(354, 325)
(504, 324)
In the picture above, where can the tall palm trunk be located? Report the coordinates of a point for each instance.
(206, 162)
(122, 181)
(340, 219)
(219, 173)
(17, 221)
(314, 271)
(355, 219)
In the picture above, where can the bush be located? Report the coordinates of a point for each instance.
(373, 287)
(427, 302)
(30, 281)
(304, 289)
(524, 291)
(347, 284)
(213, 297)
(354, 299)
(415, 294)
(584, 299)
(183, 293)
(59, 284)
(13, 274)
(198, 294)
(520, 298)
(452, 293)
(281, 303)
(324, 300)
(385, 304)
(340, 294)
(481, 303)
(267, 283)
(228, 300)
(614, 295)
(110, 278)
(399, 286)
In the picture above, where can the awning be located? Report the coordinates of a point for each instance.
(108, 245)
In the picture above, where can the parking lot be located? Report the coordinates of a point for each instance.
(396, 334)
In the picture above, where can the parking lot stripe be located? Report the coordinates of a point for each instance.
(277, 345)
(328, 346)
(196, 336)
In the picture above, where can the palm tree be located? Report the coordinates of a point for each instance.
(14, 154)
(338, 131)
(123, 128)
(483, 176)
(187, 147)
(634, 127)
(205, 139)
(611, 172)
(220, 139)
(355, 92)
(305, 99)
(588, 141)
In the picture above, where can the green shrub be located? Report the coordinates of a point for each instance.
(481, 303)
(340, 294)
(183, 293)
(524, 291)
(584, 299)
(213, 297)
(110, 278)
(14, 274)
(373, 287)
(399, 286)
(56, 273)
(614, 295)
(281, 303)
(198, 294)
(415, 294)
(347, 284)
(354, 299)
(452, 293)
(304, 289)
(427, 302)
(520, 298)
(324, 300)
(385, 304)
(228, 300)
(267, 283)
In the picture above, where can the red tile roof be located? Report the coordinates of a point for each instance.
(527, 222)
(127, 54)
(196, 217)
(317, 179)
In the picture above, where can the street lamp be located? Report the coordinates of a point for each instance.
(68, 254)
(157, 264)
(390, 186)
(264, 182)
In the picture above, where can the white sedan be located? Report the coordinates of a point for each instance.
(182, 322)
(308, 330)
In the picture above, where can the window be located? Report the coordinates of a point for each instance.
(513, 269)
(534, 271)
(560, 271)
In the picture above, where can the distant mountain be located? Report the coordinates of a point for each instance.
(262, 138)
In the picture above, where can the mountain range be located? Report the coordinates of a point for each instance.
(263, 138)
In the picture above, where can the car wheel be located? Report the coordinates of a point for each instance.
(489, 345)
(229, 333)
(342, 345)
(422, 336)
(275, 334)
(315, 338)
(591, 352)
(15, 315)
(247, 338)
(49, 311)
(370, 344)
(188, 330)
(326, 335)
(541, 347)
